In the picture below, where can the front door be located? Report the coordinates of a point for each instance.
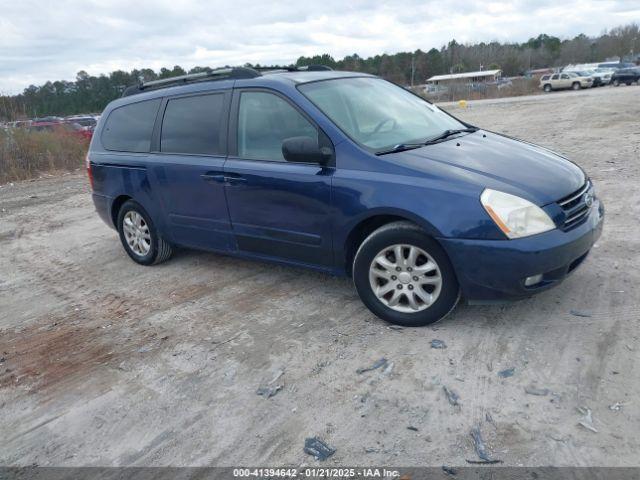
(188, 169)
(278, 209)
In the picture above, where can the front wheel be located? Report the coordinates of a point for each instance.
(616, 83)
(404, 277)
(140, 238)
(575, 86)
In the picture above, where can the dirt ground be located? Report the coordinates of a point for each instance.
(104, 362)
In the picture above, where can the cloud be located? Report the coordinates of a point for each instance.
(42, 40)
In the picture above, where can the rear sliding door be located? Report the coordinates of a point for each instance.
(190, 144)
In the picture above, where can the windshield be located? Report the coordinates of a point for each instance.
(376, 113)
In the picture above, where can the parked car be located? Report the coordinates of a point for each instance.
(20, 124)
(596, 77)
(605, 74)
(344, 173)
(79, 130)
(560, 81)
(44, 124)
(626, 76)
(431, 88)
(86, 121)
(62, 127)
(616, 65)
(48, 119)
(504, 83)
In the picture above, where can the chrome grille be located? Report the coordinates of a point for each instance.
(576, 206)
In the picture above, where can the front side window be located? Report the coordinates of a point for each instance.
(192, 125)
(264, 121)
(129, 128)
(376, 113)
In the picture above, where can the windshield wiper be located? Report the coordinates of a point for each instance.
(448, 133)
(401, 147)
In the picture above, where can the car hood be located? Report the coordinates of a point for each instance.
(490, 160)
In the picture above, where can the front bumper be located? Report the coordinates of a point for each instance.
(495, 270)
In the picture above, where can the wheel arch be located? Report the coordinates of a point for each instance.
(115, 207)
(374, 220)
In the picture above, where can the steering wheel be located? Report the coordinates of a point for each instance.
(382, 123)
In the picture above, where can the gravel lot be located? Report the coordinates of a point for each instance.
(104, 362)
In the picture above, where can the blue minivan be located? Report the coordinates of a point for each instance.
(345, 173)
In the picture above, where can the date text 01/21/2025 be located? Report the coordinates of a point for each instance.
(316, 472)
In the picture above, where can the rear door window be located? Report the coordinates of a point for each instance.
(128, 128)
(192, 125)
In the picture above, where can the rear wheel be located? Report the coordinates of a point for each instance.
(575, 86)
(616, 83)
(139, 237)
(547, 88)
(404, 277)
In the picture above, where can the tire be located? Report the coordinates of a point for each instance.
(628, 84)
(547, 88)
(438, 285)
(151, 248)
(616, 83)
(575, 86)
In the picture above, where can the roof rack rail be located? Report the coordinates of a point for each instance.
(315, 68)
(292, 68)
(217, 74)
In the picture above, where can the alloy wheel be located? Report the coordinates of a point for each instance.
(136, 233)
(405, 278)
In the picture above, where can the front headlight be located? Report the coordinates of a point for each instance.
(515, 216)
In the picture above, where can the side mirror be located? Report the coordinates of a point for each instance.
(305, 150)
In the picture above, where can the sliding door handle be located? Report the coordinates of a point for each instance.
(210, 177)
(234, 180)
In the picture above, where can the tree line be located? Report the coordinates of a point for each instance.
(92, 93)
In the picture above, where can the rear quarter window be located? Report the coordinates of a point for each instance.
(129, 128)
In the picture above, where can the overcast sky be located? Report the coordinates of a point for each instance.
(51, 40)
